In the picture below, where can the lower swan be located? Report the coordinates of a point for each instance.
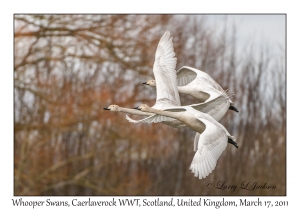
(210, 141)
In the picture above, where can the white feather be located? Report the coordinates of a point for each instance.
(212, 142)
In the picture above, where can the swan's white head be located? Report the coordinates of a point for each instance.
(150, 82)
(143, 107)
(112, 108)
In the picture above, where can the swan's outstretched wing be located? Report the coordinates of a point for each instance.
(212, 142)
(165, 74)
(151, 119)
(155, 118)
(166, 83)
(216, 108)
(186, 75)
(196, 140)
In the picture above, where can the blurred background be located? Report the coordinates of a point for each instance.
(68, 67)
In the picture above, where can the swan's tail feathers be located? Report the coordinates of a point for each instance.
(231, 141)
(228, 93)
(233, 108)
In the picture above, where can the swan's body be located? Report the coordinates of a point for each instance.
(210, 141)
(116, 108)
(201, 86)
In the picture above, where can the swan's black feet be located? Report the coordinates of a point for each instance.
(233, 108)
(230, 141)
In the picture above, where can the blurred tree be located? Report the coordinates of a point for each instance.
(67, 67)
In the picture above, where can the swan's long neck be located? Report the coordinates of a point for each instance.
(176, 115)
(183, 89)
(201, 95)
(134, 111)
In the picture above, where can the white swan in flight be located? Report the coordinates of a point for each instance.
(167, 91)
(211, 138)
(210, 141)
(200, 85)
(116, 108)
